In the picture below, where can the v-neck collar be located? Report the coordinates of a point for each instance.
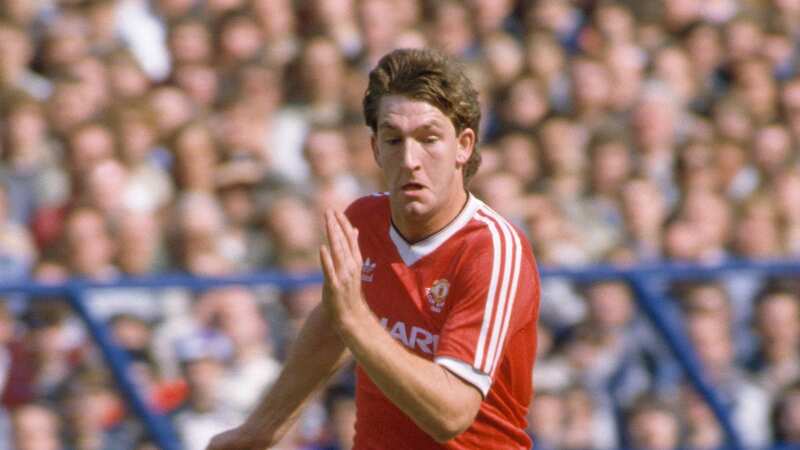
(411, 253)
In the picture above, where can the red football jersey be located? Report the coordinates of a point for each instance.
(468, 299)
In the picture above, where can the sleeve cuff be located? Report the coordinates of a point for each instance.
(467, 373)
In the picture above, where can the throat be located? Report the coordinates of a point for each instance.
(413, 228)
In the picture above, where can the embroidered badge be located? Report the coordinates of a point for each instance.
(436, 294)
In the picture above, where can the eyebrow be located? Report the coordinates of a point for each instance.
(433, 124)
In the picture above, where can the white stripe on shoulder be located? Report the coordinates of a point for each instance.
(487, 312)
(502, 303)
(512, 294)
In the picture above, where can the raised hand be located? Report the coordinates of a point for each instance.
(341, 265)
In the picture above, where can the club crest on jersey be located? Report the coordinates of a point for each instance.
(368, 270)
(437, 293)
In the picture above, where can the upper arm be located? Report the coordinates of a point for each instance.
(492, 300)
(468, 399)
(468, 395)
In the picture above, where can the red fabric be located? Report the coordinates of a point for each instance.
(19, 388)
(168, 395)
(47, 225)
(434, 322)
(165, 397)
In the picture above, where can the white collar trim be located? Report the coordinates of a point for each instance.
(411, 253)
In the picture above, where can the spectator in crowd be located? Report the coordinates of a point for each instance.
(203, 356)
(644, 209)
(653, 424)
(15, 69)
(32, 174)
(586, 424)
(17, 250)
(291, 226)
(786, 416)
(777, 324)
(340, 406)
(140, 243)
(546, 419)
(786, 191)
(8, 342)
(145, 137)
(711, 336)
(192, 319)
(299, 303)
(48, 355)
(325, 151)
(92, 415)
(36, 426)
(702, 428)
(253, 366)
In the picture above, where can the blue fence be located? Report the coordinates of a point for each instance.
(641, 278)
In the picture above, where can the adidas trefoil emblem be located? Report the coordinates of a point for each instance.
(368, 270)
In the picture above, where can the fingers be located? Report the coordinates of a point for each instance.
(338, 247)
(351, 234)
(327, 263)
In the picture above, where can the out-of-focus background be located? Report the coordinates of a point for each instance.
(205, 137)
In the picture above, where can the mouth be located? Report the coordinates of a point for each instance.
(412, 187)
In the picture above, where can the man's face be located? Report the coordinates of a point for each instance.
(15, 48)
(655, 429)
(88, 243)
(35, 428)
(420, 154)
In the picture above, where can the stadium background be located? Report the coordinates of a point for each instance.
(149, 137)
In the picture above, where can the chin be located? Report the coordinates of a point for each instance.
(416, 209)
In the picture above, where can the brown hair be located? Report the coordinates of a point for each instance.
(429, 76)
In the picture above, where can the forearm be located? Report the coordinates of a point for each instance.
(439, 402)
(317, 354)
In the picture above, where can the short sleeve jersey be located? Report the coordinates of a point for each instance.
(466, 298)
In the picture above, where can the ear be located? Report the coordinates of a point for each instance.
(373, 142)
(466, 145)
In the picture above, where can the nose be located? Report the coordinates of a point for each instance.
(411, 151)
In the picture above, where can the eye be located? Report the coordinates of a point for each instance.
(392, 140)
(431, 139)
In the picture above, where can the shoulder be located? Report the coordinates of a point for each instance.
(492, 249)
(491, 235)
(368, 208)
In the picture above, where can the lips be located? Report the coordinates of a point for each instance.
(412, 187)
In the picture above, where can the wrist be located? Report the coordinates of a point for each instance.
(355, 325)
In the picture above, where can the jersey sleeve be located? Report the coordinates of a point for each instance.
(367, 208)
(495, 289)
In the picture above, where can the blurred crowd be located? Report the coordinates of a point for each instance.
(140, 137)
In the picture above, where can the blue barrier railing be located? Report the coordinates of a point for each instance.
(639, 277)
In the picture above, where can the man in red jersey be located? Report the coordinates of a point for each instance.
(434, 294)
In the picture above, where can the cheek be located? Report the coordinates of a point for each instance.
(440, 163)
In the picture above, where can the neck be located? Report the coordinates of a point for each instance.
(416, 228)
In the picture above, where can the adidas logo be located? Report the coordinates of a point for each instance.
(367, 270)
